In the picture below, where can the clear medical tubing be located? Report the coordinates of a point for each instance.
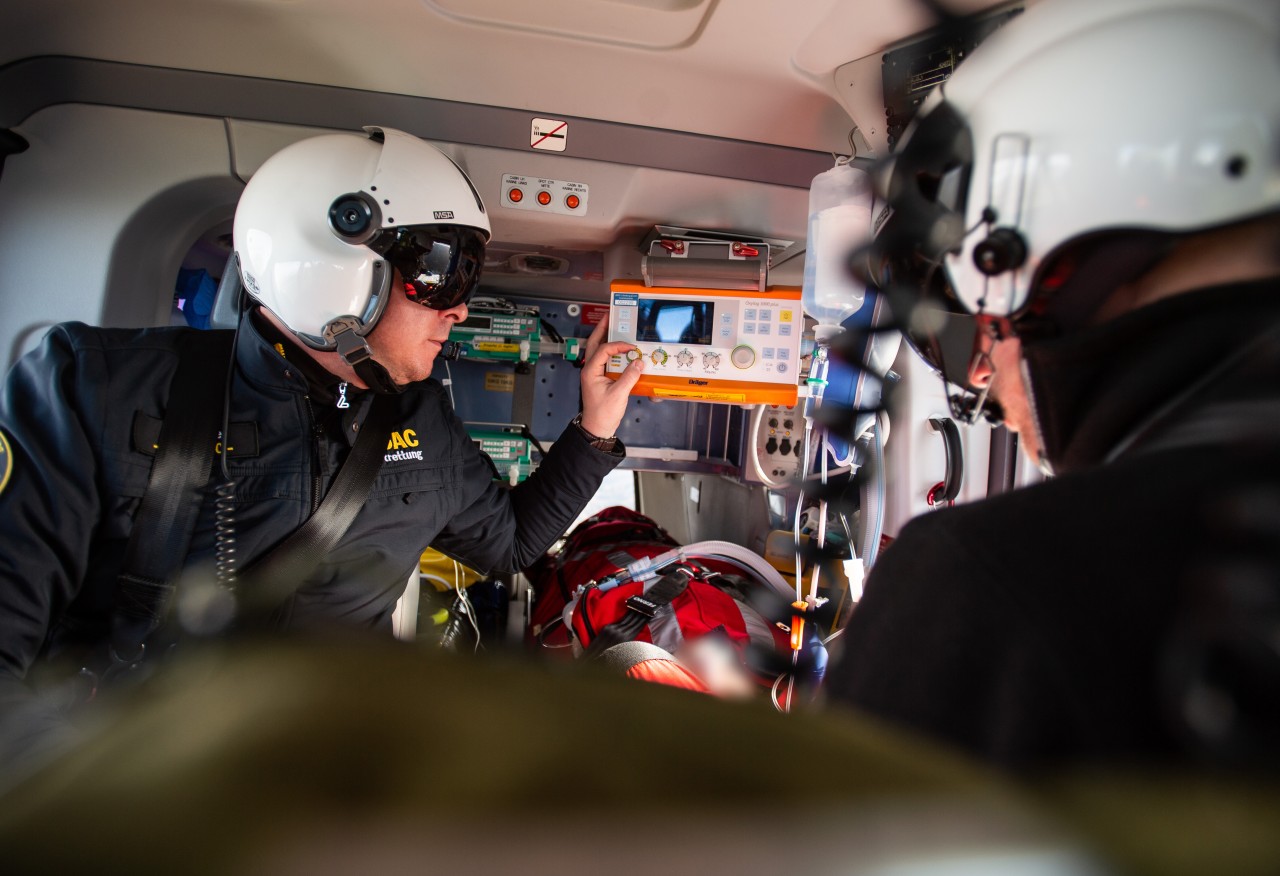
(840, 202)
(873, 496)
(720, 550)
(743, 558)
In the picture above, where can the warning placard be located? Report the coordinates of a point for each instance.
(497, 381)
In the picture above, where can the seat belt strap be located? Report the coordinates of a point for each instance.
(270, 581)
(640, 610)
(166, 517)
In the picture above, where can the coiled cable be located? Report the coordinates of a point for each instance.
(224, 517)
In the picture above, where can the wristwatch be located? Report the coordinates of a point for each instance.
(605, 444)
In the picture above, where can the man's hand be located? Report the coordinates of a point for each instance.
(604, 400)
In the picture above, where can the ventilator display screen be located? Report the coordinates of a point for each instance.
(674, 322)
(477, 322)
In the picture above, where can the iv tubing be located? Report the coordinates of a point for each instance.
(721, 550)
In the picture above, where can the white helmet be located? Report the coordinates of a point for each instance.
(322, 223)
(1079, 124)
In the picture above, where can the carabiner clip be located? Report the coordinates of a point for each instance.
(120, 666)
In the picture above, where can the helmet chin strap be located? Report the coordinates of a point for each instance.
(376, 377)
(355, 351)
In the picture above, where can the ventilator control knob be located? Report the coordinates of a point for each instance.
(684, 358)
(633, 354)
(743, 356)
(658, 357)
(711, 361)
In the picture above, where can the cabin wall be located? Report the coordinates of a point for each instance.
(695, 507)
(96, 215)
(915, 456)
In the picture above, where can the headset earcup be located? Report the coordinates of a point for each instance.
(1003, 250)
(355, 218)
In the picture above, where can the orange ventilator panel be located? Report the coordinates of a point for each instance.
(710, 345)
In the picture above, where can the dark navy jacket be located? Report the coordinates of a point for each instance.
(69, 412)
(1067, 621)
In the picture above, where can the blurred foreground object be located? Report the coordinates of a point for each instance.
(385, 758)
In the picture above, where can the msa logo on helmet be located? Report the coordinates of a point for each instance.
(443, 214)
(401, 442)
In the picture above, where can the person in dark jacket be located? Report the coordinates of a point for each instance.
(1115, 259)
(358, 252)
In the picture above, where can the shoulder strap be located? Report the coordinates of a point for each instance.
(270, 581)
(640, 610)
(1231, 422)
(166, 518)
(1180, 424)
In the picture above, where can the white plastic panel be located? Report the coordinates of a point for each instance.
(649, 24)
(66, 201)
(727, 73)
(915, 457)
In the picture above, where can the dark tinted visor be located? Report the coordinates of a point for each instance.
(440, 264)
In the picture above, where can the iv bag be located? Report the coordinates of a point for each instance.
(840, 201)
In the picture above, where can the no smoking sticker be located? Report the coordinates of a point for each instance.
(549, 134)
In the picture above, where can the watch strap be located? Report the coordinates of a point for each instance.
(606, 444)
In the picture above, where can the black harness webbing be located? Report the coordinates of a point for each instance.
(640, 610)
(166, 519)
(167, 514)
(268, 583)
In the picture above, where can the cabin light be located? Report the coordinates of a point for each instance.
(516, 196)
(572, 202)
(544, 197)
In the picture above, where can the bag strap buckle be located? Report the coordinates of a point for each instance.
(642, 606)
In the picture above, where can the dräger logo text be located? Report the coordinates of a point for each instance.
(693, 382)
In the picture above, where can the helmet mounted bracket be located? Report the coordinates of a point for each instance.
(343, 334)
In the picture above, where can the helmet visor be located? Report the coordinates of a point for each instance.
(439, 264)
